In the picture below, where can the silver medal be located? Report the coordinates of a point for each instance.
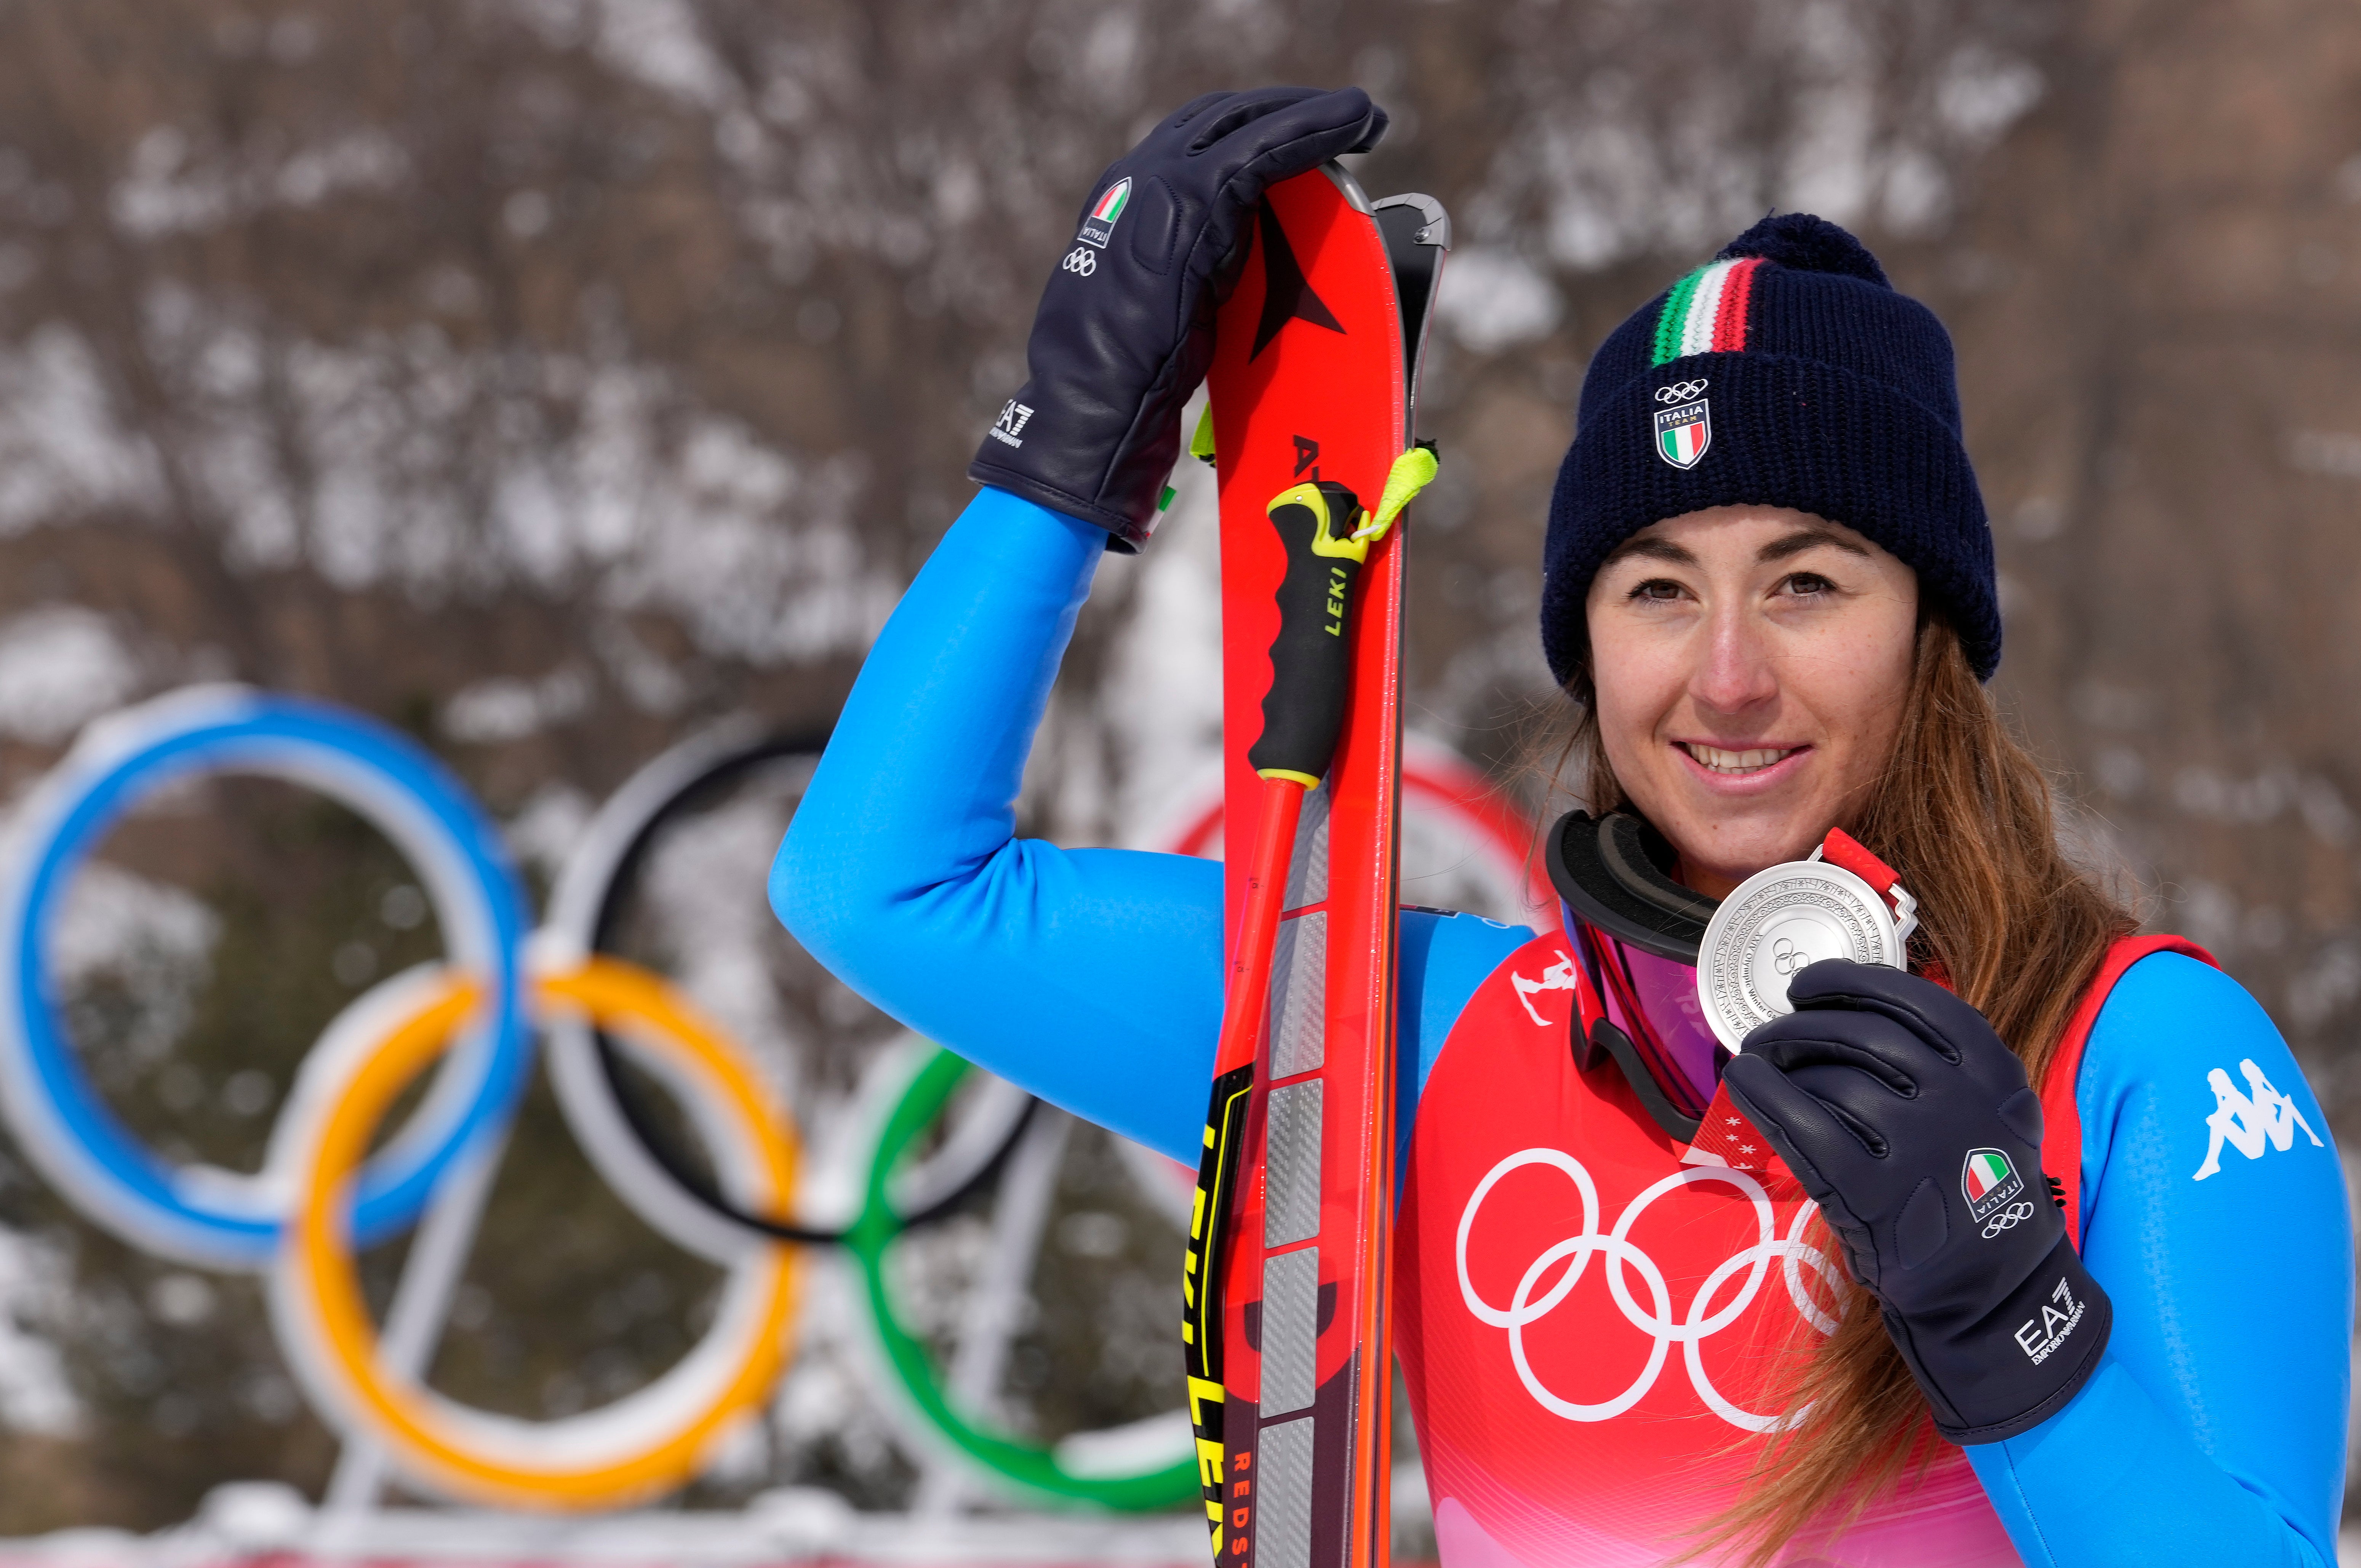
(1778, 921)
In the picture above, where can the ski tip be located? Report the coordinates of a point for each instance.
(1434, 224)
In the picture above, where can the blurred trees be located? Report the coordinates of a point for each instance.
(548, 376)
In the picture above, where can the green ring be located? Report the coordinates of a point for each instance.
(1027, 1465)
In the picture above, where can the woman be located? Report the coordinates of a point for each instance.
(1772, 625)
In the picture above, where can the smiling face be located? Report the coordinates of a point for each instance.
(1751, 664)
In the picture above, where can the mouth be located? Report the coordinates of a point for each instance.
(1737, 764)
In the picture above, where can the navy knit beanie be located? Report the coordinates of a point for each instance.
(1786, 372)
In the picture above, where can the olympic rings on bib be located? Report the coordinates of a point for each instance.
(1572, 1258)
(201, 1215)
(643, 1444)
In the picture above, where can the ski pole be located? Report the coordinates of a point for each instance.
(1311, 665)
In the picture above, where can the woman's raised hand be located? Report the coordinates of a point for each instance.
(1912, 1125)
(1126, 327)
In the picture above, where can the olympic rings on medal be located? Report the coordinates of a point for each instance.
(204, 1215)
(643, 1444)
(2008, 1219)
(1576, 1251)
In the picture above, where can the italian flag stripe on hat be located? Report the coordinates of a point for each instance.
(1706, 312)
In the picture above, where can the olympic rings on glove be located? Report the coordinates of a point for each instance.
(2008, 1219)
(201, 1215)
(645, 1443)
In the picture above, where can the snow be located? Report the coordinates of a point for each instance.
(62, 450)
(506, 709)
(1492, 298)
(172, 190)
(403, 460)
(33, 1394)
(60, 666)
(660, 43)
(156, 939)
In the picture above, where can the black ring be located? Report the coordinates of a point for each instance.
(639, 1113)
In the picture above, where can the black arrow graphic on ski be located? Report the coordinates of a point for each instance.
(1286, 295)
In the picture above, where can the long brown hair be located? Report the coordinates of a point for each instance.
(1962, 813)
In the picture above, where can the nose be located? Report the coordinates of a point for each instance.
(1733, 673)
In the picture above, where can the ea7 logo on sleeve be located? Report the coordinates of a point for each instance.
(2039, 1336)
(1011, 421)
(1987, 1180)
(2245, 1122)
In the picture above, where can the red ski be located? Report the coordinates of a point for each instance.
(1286, 1324)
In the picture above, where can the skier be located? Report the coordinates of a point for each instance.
(1774, 607)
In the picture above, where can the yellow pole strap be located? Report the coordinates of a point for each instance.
(1411, 472)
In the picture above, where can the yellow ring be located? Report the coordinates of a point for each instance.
(603, 1458)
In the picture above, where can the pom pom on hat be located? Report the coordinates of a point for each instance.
(1807, 244)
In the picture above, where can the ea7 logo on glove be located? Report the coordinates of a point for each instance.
(1011, 421)
(2039, 1336)
(1988, 1181)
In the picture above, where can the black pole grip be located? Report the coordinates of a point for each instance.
(1310, 658)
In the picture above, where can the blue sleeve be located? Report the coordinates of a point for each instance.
(1091, 977)
(2214, 1216)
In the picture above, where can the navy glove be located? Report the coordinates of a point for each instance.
(1912, 1126)
(1126, 327)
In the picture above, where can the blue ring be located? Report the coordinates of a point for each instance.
(244, 729)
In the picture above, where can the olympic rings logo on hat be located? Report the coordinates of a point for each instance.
(472, 1022)
(1680, 392)
(1530, 1302)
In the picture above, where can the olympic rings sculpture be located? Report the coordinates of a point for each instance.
(1575, 1253)
(203, 1215)
(473, 1021)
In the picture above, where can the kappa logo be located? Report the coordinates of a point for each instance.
(2038, 1337)
(1099, 226)
(1559, 976)
(2245, 1122)
(1011, 424)
(1684, 433)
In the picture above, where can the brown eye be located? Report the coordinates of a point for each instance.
(1810, 583)
(1660, 590)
